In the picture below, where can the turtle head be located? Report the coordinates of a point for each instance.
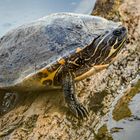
(108, 45)
(99, 53)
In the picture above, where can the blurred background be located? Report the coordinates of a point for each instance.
(14, 13)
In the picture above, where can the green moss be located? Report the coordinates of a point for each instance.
(95, 103)
(103, 134)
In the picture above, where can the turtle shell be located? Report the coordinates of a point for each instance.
(31, 47)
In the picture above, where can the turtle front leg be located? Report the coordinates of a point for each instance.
(69, 93)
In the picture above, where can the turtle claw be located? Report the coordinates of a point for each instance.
(79, 111)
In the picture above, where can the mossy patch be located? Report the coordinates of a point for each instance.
(103, 134)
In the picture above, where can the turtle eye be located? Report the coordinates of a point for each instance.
(117, 32)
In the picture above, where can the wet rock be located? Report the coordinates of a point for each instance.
(116, 129)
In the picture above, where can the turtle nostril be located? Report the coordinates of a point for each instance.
(117, 32)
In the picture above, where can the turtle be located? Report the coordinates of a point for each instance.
(56, 51)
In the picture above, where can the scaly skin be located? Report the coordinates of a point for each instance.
(69, 93)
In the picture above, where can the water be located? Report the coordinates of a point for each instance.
(17, 12)
(123, 121)
(129, 126)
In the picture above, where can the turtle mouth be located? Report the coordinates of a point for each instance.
(121, 37)
(114, 44)
(108, 45)
(114, 52)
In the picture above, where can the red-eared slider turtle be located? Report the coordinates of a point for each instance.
(56, 51)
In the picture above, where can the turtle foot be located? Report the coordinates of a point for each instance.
(79, 111)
